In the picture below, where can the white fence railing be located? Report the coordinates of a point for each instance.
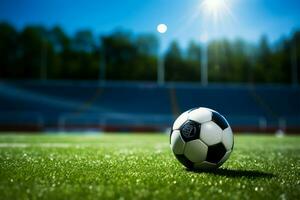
(65, 120)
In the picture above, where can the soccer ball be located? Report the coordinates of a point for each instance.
(201, 138)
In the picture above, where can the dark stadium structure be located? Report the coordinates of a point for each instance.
(125, 106)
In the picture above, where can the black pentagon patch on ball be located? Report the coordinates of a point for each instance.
(185, 161)
(190, 130)
(219, 120)
(215, 153)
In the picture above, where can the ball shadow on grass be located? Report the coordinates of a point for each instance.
(234, 173)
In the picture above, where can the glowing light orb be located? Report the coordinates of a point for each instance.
(162, 28)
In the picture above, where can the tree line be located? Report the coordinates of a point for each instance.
(36, 52)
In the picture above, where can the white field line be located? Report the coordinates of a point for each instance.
(68, 145)
(46, 145)
(13, 145)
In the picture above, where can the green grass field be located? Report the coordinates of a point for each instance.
(143, 167)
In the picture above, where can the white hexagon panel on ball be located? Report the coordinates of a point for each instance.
(195, 151)
(177, 143)
(211, 133)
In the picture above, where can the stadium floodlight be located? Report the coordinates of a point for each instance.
(161, 28)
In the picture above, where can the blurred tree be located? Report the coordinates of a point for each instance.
(119, 54)
(35, 49)
(128, 59)
(59, 39)
(40, 53)
(230, 61)
(61, 44)
(9, 51)
(194, 52)
(219, 58)
(147, 44)
(83, 60)
(240, 65)
(280, 71)
(173, 63)
(193, 61)
(263, 65)
(179, 68)
(147, 47)
(295, 57)
(83, 41)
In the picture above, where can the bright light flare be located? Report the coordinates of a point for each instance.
(215, 8)
(214, 5)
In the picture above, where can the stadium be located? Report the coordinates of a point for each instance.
(66, 106)
(91, 95)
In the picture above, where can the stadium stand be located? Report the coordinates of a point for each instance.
(116, 106)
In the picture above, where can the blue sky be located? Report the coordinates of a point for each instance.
(248, 19)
